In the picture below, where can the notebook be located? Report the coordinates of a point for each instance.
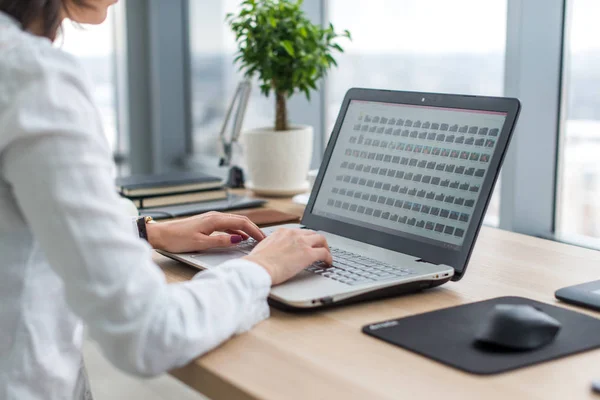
(179, 198)
(232, 202)
(170, 183)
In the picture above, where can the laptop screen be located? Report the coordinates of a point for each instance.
(412, 171)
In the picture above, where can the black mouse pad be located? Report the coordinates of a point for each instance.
(448, 336)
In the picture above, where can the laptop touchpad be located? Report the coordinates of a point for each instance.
(212, 258)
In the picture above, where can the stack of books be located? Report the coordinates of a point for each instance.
(151, 191)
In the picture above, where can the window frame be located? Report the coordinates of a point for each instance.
(534, 55)
(159, 119)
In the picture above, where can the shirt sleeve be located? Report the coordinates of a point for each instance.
(60, 171)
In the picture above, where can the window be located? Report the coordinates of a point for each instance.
(422, 45)
(215, 77)
(94, 47)
(578, 206)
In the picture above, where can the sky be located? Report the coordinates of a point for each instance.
(417, 26)
(428, 26)
(385, 26)
(584, 29)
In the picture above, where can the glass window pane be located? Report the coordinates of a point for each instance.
(578, 211)
(421, 45)
(215, 77)
(94, 47)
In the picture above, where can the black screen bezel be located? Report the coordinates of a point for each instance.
(457, 259)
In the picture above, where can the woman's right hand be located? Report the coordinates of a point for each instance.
(288, 251)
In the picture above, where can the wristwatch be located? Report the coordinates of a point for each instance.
(141, 225)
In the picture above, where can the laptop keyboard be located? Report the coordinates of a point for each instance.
(349, 268)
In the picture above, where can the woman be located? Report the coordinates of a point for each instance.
(68, 255)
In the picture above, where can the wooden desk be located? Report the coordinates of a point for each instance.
(325, 356)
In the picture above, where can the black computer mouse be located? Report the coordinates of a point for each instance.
(517, 327)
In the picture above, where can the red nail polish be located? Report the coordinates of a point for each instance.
(235, 239)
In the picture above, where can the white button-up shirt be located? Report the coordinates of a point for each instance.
(67, 255)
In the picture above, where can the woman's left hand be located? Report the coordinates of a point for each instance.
(194, 234)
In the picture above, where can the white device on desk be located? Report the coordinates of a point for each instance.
(400, 195)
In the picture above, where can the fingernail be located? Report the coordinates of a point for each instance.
(235, 239)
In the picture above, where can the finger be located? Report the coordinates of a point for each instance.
(264, 236)
(228, 222)
(316, 241)
(244, 218)
(244, 235)
(215, 241)
(321, 254)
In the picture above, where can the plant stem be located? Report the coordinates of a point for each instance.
(281, 120)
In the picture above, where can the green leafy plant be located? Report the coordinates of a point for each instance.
(289, 53)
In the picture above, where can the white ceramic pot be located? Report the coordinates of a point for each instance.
(278, 161)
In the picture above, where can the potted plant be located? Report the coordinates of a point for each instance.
(289, 54)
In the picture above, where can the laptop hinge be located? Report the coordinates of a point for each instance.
(420, 260)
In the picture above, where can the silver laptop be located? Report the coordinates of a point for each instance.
(400, 196)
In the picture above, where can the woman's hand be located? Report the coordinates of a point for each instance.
(194, 234)
(288, 251)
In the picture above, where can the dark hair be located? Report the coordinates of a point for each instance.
(48, 11)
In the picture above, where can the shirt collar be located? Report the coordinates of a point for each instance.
(8, 20)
